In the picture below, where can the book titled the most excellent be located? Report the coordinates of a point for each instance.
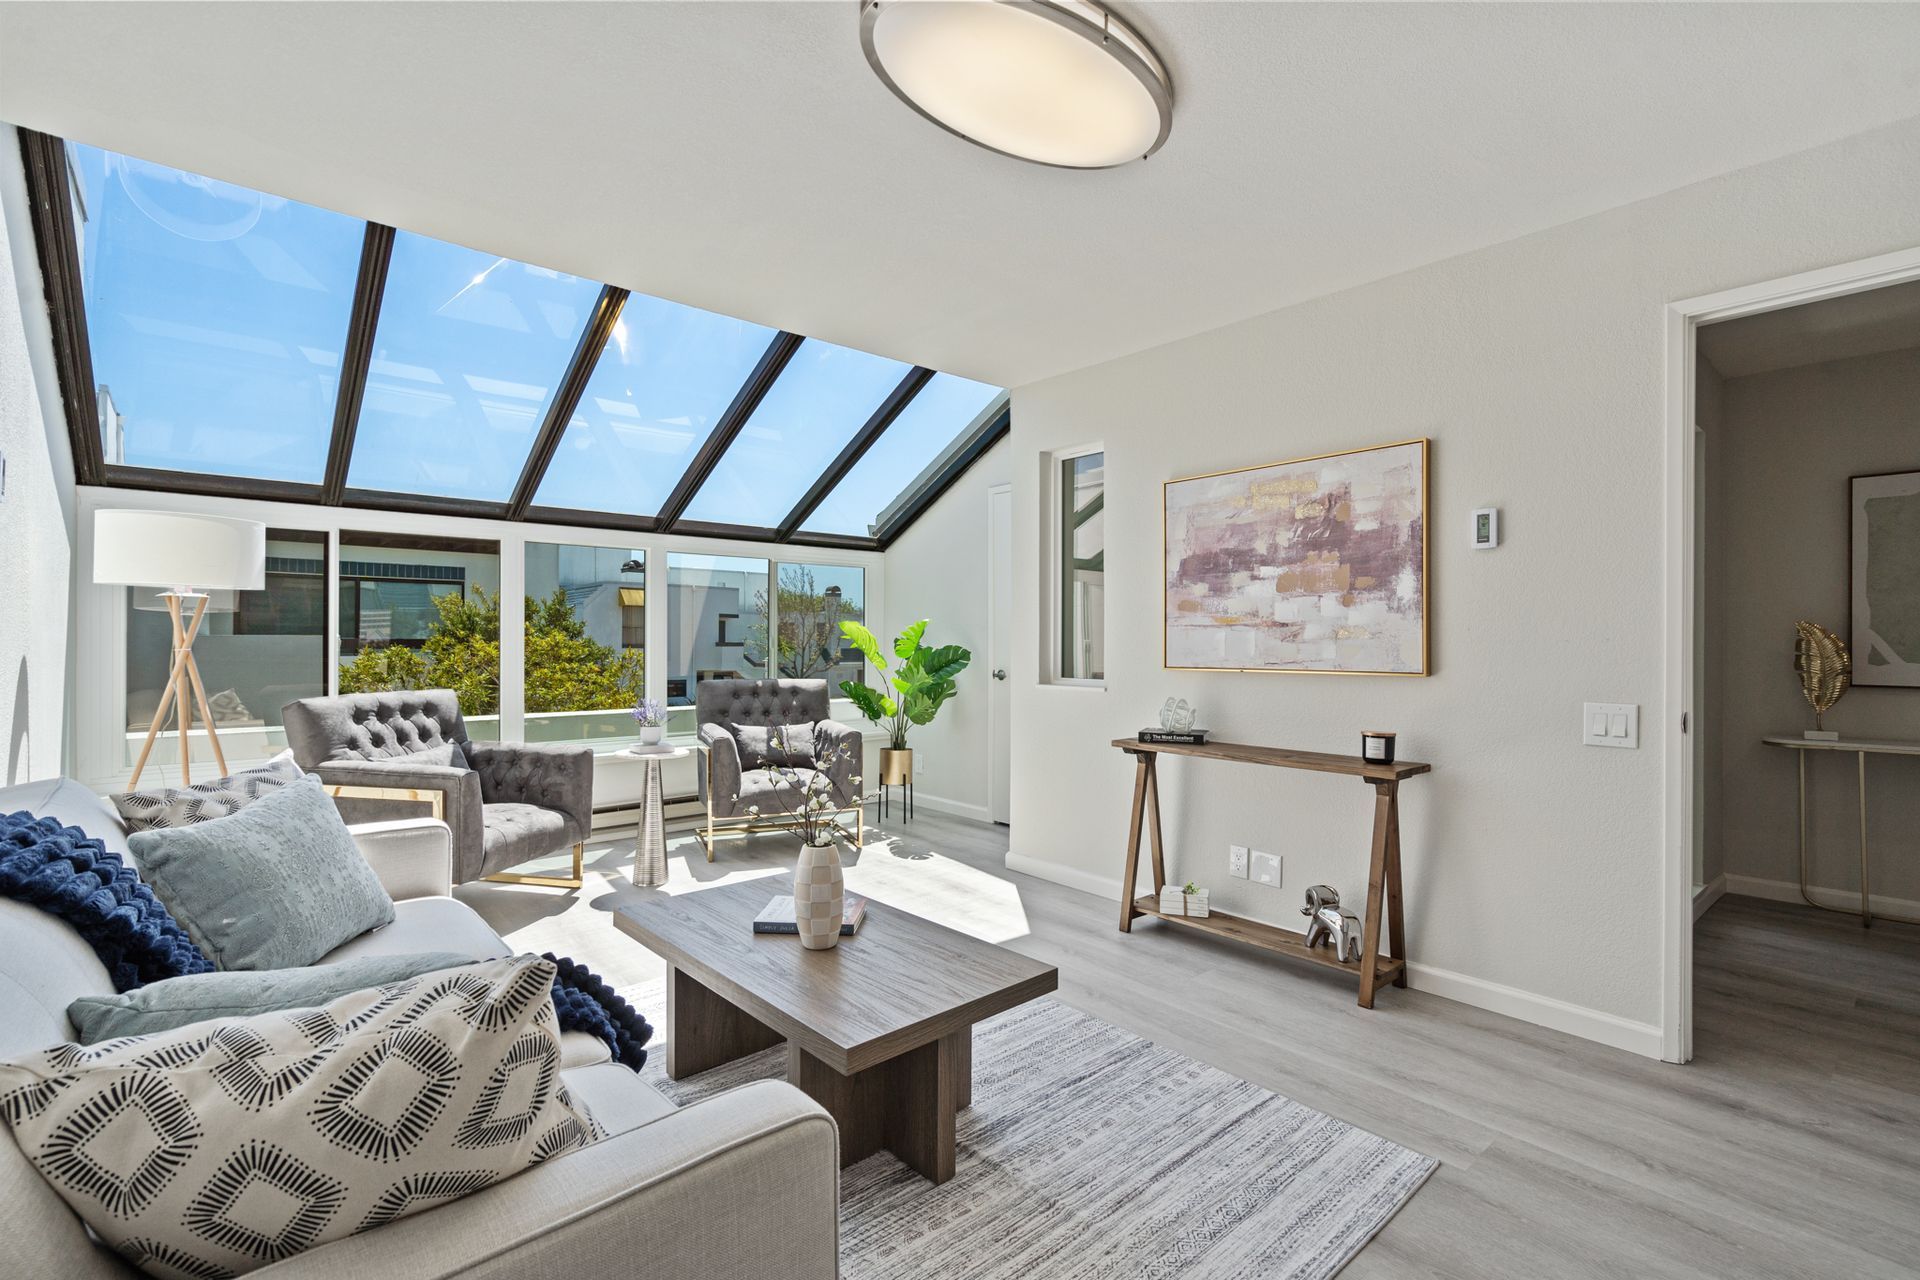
(1177, 737)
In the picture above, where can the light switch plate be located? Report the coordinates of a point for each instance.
(1610, 724)
(1266, 869)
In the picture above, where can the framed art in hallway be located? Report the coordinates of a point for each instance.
(1314, 565)
(1886, 578)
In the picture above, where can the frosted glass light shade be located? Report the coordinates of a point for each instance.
(1058, 82)
(173, 549)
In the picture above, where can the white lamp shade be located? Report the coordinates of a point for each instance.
(172, 549)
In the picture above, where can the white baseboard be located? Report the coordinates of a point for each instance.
(940, 804)
(1707, 894)
(1099, 886)
(1642, 1038)
(1845, 899)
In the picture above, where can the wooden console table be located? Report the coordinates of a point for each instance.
(1383, 877)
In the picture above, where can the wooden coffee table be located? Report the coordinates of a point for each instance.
(879, 1030)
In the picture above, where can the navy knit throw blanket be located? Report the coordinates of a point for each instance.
(70, 875)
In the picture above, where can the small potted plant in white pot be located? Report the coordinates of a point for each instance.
(651, 716)
(923, 681)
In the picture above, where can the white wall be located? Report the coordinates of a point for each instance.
(1710, 413)
(1793, 438)
(36, 512)
(1533, 864)
(938, 570)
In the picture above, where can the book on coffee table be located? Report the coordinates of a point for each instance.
(778, 916)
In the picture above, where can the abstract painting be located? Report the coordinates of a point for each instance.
(1314, 565)
(1886, 579)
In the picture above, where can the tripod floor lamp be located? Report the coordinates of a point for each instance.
(189, 556)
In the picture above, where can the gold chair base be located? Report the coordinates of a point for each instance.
(717, 828)
(546, 882)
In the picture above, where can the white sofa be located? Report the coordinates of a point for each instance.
(743, 1184)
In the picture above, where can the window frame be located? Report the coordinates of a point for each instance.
(1057, 552)
(51, 189)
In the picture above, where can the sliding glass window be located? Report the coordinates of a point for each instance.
(717, 613)
(467, 353)
(813, 600)
(256, 650)
(586, 610)
(216, 317)
(662, 381)
(423, 613)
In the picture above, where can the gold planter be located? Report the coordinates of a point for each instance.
(896, 766)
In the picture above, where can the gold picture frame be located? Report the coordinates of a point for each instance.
(1424, 446)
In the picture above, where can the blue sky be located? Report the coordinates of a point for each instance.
(217, 316)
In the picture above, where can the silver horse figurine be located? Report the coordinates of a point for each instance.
(1328, 921)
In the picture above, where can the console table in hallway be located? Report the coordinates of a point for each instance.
(1383, 877)
(1862, 748)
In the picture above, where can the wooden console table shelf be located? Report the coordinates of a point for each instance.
(1373, 969)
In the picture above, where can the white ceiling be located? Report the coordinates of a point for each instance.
(743, 157)
(1858, 324)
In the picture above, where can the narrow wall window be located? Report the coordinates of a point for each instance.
(586, 641)
(1082, 568)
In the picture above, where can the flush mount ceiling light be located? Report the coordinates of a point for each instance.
(1059, 82)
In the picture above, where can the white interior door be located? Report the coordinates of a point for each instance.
(1000, 683)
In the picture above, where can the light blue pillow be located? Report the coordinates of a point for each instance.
(276, 885)
(199, 997)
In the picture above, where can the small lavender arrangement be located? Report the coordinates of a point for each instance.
(651, 716)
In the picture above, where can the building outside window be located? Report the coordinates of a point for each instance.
(423, 613)
(256, 650)
(1082, 568)
(711, 620)
(586, 642)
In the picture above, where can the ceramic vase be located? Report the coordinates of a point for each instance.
(650, 734)
(819, 896)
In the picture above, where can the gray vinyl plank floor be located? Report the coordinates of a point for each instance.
(1790, 1147)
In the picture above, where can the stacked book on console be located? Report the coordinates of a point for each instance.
(778, 916)
(1177, 737)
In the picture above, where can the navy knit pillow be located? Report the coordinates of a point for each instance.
(66, 873)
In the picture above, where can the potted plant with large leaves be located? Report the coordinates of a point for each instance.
(920, 684)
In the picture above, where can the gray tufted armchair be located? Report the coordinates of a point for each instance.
(505, 802)
(746, 725)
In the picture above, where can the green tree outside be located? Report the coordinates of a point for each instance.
(567, 670)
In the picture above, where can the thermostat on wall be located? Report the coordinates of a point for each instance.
(1486, 528)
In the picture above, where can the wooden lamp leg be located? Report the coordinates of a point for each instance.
(177, 691)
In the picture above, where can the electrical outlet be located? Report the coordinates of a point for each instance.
(1266, 869)
(1237, 861)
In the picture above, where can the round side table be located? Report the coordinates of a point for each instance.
(650, 844)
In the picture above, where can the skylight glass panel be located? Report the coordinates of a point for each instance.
(467, 353)
(825, 394)
(662, 381)
(932, 420)
(216, 317)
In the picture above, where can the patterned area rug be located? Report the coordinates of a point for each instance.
(1089, 1151)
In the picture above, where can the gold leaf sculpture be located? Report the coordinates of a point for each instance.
(1825, 667)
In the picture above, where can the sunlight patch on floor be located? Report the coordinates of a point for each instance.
(938, 888)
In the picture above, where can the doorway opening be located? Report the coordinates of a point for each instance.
(1793, 498)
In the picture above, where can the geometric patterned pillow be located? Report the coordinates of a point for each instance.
(220, 1147)
(184, 806)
